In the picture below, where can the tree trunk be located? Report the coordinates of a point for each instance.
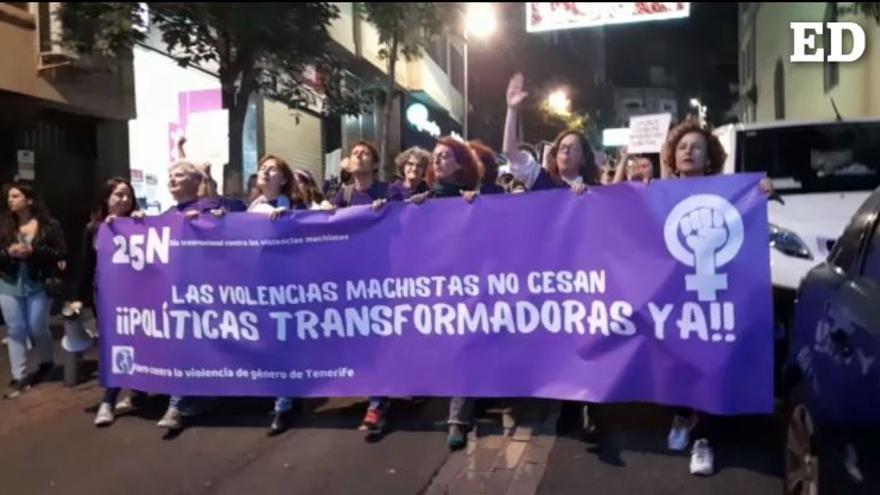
(236, 102)
(385, 134)
(232, 173)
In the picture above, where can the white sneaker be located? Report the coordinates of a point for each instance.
(702, 458)
(587, 423)
(172, 420)
(679, 434)
(105, 415)
(125, 405)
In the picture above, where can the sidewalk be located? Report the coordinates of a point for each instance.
(50, 398)
(227, 451)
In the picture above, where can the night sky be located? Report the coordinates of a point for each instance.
(700, 52)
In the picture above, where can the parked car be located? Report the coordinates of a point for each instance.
(822, 172)
(832, 372)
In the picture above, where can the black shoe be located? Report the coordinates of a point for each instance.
(16, 388)
(280, 423)
(42, 373)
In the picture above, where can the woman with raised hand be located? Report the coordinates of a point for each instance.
(570, 162)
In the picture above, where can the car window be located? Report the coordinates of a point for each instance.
(872, 256)
(846, 250)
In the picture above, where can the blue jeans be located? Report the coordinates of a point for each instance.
(283, 404)
(27, 316)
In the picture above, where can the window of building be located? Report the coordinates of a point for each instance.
(832, 70)
(779, 91)
(437, 51)
(456, 69)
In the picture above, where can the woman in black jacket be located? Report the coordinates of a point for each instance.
(31, 246)
(117, 200)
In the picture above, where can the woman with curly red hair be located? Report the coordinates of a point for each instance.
(455, 171)
(691, 150)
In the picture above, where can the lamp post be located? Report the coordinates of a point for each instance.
(479, 22)
(701, 110)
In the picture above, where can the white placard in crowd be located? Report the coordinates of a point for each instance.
(26, 168)
(648, 132)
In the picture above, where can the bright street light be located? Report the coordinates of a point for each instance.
(695, 103)
(558, 102)
(480, 20)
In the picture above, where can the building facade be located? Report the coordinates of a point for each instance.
(63, 118)
(774, 88)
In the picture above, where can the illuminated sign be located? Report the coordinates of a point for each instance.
(551, 16)
(618, 136)
(417, 116)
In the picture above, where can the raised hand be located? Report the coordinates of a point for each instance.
(515, 92)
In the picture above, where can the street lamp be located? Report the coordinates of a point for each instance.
(479, 22)
(558, 102)
(701, 109)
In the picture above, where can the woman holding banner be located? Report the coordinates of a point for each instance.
(570, 163)
(117, 200)
(691, 151)
(363, 165)
(184, 183)
(280, 194)
(411, 166)
(455, 171)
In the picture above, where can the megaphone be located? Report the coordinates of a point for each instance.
(76, 337)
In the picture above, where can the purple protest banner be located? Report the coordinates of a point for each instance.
(656, 293)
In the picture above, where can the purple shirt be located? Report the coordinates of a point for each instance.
(544, 182)
(379, 190)
(398, 191)
(205, 205)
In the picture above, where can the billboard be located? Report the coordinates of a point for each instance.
(552, 16)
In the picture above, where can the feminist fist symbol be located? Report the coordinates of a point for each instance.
(712, 230)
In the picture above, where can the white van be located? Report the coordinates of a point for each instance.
(822, 172)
